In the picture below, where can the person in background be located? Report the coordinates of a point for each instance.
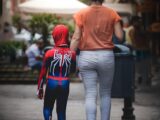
(34, 54)
(57, 64)
(1, 32)
(95, 26)
(7, 31)
(140, 44)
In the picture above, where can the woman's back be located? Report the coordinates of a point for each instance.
(97, 23)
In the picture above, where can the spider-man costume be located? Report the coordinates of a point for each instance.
(57, 64)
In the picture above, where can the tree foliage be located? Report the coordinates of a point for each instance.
(44, 23)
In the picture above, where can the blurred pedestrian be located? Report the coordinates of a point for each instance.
(1, 32)
(7, 31)
(140, 45)
(93, 36)
(34, 54)
(57, 64)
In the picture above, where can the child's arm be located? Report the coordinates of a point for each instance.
(42, 76)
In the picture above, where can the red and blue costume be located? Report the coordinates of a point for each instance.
(57, 64)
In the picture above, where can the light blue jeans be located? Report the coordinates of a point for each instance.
(97, 66)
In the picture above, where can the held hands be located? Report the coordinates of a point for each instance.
(40, 93)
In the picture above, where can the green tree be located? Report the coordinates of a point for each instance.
(40, 23)
(44, 23)
(16, 19)
(86, 1)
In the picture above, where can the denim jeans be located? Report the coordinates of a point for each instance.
(37, 66)
(97, 67)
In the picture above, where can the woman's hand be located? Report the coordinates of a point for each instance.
(76, 38)
(40, 93)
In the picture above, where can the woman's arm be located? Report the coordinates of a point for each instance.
(76, 38)
(118, 31)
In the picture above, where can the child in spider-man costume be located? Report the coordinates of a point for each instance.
(57, 64)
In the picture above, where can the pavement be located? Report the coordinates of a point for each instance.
(19, 102)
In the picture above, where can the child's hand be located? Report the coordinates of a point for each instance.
(40, 93)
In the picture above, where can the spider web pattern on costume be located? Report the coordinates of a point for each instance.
(60, 65)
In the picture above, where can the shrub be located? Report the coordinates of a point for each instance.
(44, 23)
(8, 48)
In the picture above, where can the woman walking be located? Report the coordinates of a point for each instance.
(95, 26)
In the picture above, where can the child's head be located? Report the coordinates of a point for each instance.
(60, 35)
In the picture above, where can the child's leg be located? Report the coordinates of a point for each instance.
(49, 99)
(63, 92)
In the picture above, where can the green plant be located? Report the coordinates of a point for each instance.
(44, 23)
(70, 25)
(40, 23)
(86, 1)
(16, 19)
(8, 48)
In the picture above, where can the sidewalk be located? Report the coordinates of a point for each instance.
(20, 103)
(148, 97)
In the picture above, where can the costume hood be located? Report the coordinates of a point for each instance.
(60, 35)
